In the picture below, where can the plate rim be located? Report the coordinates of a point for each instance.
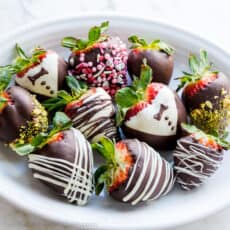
(49, 22)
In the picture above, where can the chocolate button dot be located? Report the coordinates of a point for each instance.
(47, 87)
(51, 92)
(166, 118)
(43, 83)
(169, 123)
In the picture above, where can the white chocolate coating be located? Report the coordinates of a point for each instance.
(166, 124)
(49, 66)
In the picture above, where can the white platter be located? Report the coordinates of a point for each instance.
(18, 186)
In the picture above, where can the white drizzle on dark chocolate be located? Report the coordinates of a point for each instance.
(93, 117)
(146, 157)
(75, 178)
(194, 163)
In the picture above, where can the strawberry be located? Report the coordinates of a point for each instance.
(62, 159)
(197, 156)
(100, 60)
(91, 110)
(43, 73)
(149, 111)
(21, 115)
(206, 95)
(130, 171)
(159, 57)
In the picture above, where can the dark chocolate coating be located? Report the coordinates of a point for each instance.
(194, 163)
(64, 149)
(160, 62)
(15, 114)
(160, 142)
(112, 76)
(139, 151)
(212, 93)
(62, 72)
(72, 149)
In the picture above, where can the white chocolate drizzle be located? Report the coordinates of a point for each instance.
(155, 186)
(75, 178)
(93, 117)
(194, 163)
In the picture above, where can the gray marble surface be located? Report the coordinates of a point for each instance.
(207, 18)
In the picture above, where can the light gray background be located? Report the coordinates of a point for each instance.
(210, 19)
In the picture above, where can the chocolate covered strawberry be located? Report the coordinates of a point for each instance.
(133, 171)
(21, 115)
(158, 54)
(100, 60)
(151, 112)
(62, 159)
(91, 110)
(197, 157)
(42, 73)
(206, 95)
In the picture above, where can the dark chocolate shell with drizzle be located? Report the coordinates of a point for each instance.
(65, 165)
(93, 114)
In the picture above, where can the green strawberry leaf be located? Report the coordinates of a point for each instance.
(199, 67)
(145, 78)
(99, 178)
(126, 97)
(6, 73)
(69, 42)
(105, 147)
(22, 149)
(22, 61)
(94, 35)
(155, 44)
(77, 87)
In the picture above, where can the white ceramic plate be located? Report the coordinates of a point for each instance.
(17, 185)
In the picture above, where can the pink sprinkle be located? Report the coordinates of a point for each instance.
(90, 63)
(99, 67)
(82, 59)
(107, 56)
(94, 69)
(114, 52)
(114, 81)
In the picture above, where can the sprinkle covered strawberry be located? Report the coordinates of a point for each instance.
(21, 115)
(206, 95)
(149, 111)
(100, 60)
(62, 159)
(91, 110)
(131, 171)
(158, 54)
(42, 73)
(197, 157)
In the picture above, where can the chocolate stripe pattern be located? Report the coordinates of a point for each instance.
(156, 176)
(75, 178)
(94, 117)
(194, 163)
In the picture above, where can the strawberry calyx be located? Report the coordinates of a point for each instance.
(5, 99)
(60, 123)
(193, 88)
(63, 98)
(23, 63)
(200, 74)
(141, 44)
(138, 93)
(210, 141)
(95, 35)
(116, 170)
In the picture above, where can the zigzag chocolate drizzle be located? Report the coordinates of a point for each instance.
(194, 163)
